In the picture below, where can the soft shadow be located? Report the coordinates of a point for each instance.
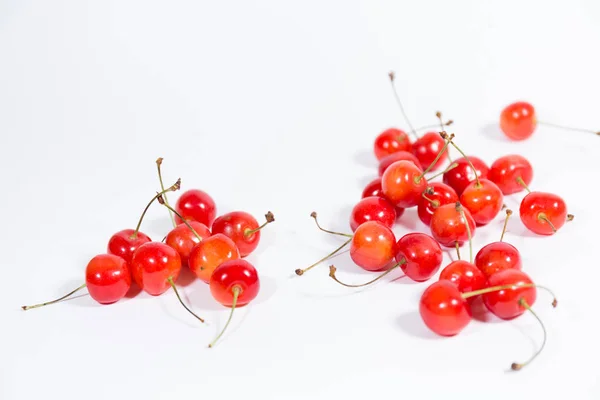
(181, 315)
(410, 220)
(134, 291)
(412, 324)
(493, 131)
(268, 287)
(480, 313)
(365, 158)
(200, 297)
(186, 277)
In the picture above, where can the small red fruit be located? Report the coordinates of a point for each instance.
(518, 120)
(374, 189)
(437, 194)
(154, 265)
(373, 246)
(459, 177)
(398, 156)
(505, 303)
(426, 149)
(124, 243)
(543, 213)
(443, 309)
(196, 205)
(242, 228)
(419, 256)
(510, 172)
(373, 209)
(207, 255)
(448, 226)
(183, 239)
(108, 278)
(391, 141)
(483, 199)
(403, 183)
(465, 275)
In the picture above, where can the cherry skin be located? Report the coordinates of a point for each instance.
(207, 255)
(123, 245)
(537, 208)
(497, 256)
(505, 303)
(196, 205)
(183, 240)
(398, 156)
(419, 255)
(153, 264)
(459, 177)
(391, 141)
(465, 275)
(448, 227)
(374, 189)
(483, 200)
(518, 120)
(373, 209)
(402, 184)
(372, 246)
(239, 227)
(441, 194)
(107, 278)
(443, 309)
(234, 273)
(506, 171)
(426, 149)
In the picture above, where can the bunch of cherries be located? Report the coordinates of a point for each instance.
(469, 196)
(216, 255)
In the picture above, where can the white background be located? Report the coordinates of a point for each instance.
(272, 105)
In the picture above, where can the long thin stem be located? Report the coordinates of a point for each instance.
(162, 187)
(441, 123)
(161, 201)
(505, 287)
(170, 280)
(302, 271)
(434, 203)
(332, 271)
(236, 293)
(173, 188)
(457, 249)
(54, 301)
(269, 218)
(543, 217)
(314, 216)
(460, 209)
(392, 80)
(508, 214)
(466, 158)
(521, 182)
(450, 167)
(435, 160)
(568, 127)
(518, 366)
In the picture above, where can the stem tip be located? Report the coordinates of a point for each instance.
(299, 272)
(516, 366)
(570, 217)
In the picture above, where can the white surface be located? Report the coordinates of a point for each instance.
(274, 106)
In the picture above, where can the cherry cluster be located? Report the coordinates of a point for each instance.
(216, 255)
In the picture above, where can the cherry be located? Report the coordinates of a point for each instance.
(399, 156)
(234, 283)
(242, 228)
(518, 120)
(207, 255)
(196, 205)
(459, 177)
(183, 239)
(543, 213)
(449, 225)
(402, 184)
(427, 147)
(465, 275)
(443, 308)
(505, 303)
(437, 194)
(510, 173)
(391, 141)
(498, 256)
(419, 256)
(483, 199)
(155, 266)
(373, 246)
(374, 189)
(373, 209)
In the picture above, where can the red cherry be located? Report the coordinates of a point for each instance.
(242, 228)
(448, 226)
(460, 176)
(427, 148)
(465, 275)
(518, 120)
(374, 189)
(505, 303)
(443, 309)
(399, 156)
(543, 213)
(510, 173)
(207, 255)
(373, 209)
(154, 265)
(391, 141)
(183, 239)
(496, 257)
(108, 278)
(402, 184)
(124, 243)
(483, 199)
(419, 256)
(196, 205)
(437, 194)
(372, 246)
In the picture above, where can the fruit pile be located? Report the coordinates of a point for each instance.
(469, 196)
(215, 255)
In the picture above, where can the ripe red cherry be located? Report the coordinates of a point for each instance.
(124, 243)
(465, 275)
(196, 205)
(107, 278)
(426, 149)
(183, 239)
(242, 228)
(419, 256)
(458, 178)
(543, 213)
(518, 120)
(483, 199)
(153, 265)
(402, 184)
(399, 156)
(437, 194)
(448, 226)
(207, 255)
(373, 209)
(505, 303)
(496, 257)
(373, 246)
(374, 189)
(510, 172)
(443, 309)
(391, 141)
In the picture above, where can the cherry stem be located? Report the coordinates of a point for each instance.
(314, 216)
(302, 271)
(172, 283)
(461, 210)
(504, 287)
(236, 293)
(173, 188)
(570, 217)
(269, 218)
(332, 271)
(568, 127)
(457, 249)
(54, 301)
(450, 167)
(444, 135)
(543, 217)
(162, 187)
(439, 117)
(434, 203)
(392, 76)
(508, 214)
(518, 366)
(162, 201)
(433, 126)
(521, 182)
(435, 160)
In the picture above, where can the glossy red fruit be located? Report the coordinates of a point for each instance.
(183, 240)
(518, 120)
(505, 303)
(234, 273)
(443, 309)
(123, 244)
(459, 177)
(440, 194)
(465, 275)
(497, 256)
(403, 183)
(153, 264)
(419, 255)
(107, 278)
(398, 156)
(373, 246)
(207, 255)
(374, 189)
(196, 205)
(483, 200)
(426, 149)
(506, 171)
(390, 141)
(240, 227)
(543, 213)
(449, 227)
(373, 209)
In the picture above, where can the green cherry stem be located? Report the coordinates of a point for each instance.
(162, 187)
(508, 214)
(236, 293)
(505, 287)
(457, 249)
(314, 216)
(450, 167)
(172, 283)
(392, 76)
(441, 123)
(300, 272)
(518, 366)
(54, 301)
(435, 160)
(269, 218)
(444, 135)
(173, 188)
(332, 271)
(521, 182)
(568, 127)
